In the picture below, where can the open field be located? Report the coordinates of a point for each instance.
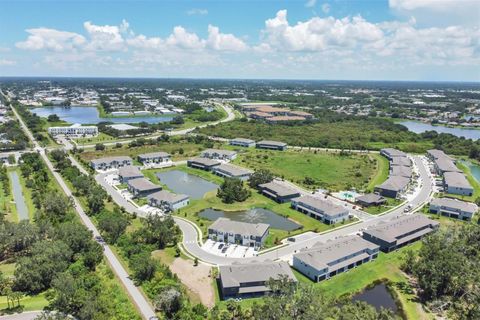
(327, 170)
(381, 171)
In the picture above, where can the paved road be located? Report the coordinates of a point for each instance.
(29, 315)
(140, 301)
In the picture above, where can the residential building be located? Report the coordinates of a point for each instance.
(241, 142)
(457, 183)
(401, 171)
(453, 208)
(279, 119)
(232, 171)
(168, 201)
(250, 279)
(128, 173)
(443, 165)
(437, 154)
(75, 130)
(325, 260)
(216, 154)
(278, 191)
(320, 209)
(390, 153)
(203, 163)
(400, 231)
(271, 145)
(400, 161)
(393, 186)
(370, 199)
(110, 162)
(142, 187)
(243, 233)
(154, 158)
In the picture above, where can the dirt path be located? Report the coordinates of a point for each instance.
(196, 279)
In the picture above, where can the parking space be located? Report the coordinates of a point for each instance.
(151, 210)
(228, 249)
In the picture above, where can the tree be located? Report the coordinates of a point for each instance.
(177, 120)
(53, 118)
(231, 190)
(143, 267)
(99, 147)
(168, 300)
(159, 231)
(113, 224)
(57, 207)
(260, 177)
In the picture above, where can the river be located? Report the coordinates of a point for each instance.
(419, 127)
(90, 115)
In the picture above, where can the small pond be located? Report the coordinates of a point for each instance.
(419, 127)
(185, 183)
(255, 215)
(378, 296)
(474, 169)
(90, 115)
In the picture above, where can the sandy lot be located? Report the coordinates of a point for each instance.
(196, 279)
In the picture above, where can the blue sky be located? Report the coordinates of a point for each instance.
(371, 40)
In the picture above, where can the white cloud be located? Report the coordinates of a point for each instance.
(325, 8)
(183, 39)
(106, 37)
(7, 62)
(51, 39)
(224, 42)
(310, 3)
(197, 12)
(435, 5)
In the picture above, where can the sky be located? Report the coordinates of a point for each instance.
(420, 40)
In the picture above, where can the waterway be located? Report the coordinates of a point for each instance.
(378, 296)
(90, 115)
(185, 183)
(255, 215)
(22, 209)
(474, 169)
(419, 127)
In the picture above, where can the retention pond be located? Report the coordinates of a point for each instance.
(377, 296)
(185, 183)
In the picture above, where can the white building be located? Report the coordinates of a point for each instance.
(243, 233)
(168, 201)
(74, 130)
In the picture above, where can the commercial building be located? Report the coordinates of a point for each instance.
(278, 192)
(271, 145)
(111, 162)
(250, 279)
(216, 154)
(75, 130)
(453, 208)
(393, 186)
(154, 158)
(325, 260)
(457, 183)
(203, 163)
(168, 201)
(129, 172)
(391, 153)
(232, 171)
(370, 199)
(142, 187)
(400, 231)
(243, 233)
(280, 119)
(241, 142)
(320, 209)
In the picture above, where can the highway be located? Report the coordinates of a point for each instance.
(142, 304)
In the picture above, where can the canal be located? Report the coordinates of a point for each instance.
(419, 127)
(22, 209)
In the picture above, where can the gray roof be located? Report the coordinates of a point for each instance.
(455, 204)
(370, 198)
(401, 171)
(129, 171)
(219, 151)
(446, 165)
(327, 207)
(235, 274)
(233, 170)
(391, 152)
(272, 143)
(456, 179)
(205, 161)
(395, 183)
(243, 140)
(322, 255)
(167, 196)
(279, 189)
(436, 154)
(393, 229)
(400, 161)
(238, 227)
(111, 159)
(143, 184)
(160, 154)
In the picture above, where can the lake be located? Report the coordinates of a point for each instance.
(419, 127)
(474, 169)
(90, 115)
(255, 215)
(378, 296)
(185, 183)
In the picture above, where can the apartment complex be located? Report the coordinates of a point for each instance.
(203, 163)
(168, 201)
(278, 191)
(241, 142)
(154, 158)
(271, 145)
(453, 208)
(243, 233)
(110, 162)
(75, 130)
(232, 171)
(129, 172)
(142, 187)
(320, 209)
(217, 154)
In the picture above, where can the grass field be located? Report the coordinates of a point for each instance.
(391, 203)
(6, 203)
(382, 166)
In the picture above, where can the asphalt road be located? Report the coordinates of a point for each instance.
(29, 315)
(137, 297)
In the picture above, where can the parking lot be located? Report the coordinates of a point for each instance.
(228, 249)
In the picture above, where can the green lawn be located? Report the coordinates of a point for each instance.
(391, 203)
(102, 137)
(381, 174)
(475, 184)
(328, 170)
(27, 303)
